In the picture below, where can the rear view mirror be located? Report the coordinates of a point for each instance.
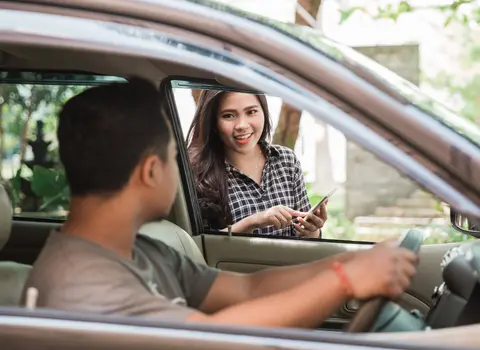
(465, 224)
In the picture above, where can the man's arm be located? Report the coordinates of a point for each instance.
(233, 288)
(384, 270)
(295, 307)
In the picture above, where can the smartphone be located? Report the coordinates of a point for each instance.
(323, 200)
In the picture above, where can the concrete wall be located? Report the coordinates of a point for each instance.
(369, 182)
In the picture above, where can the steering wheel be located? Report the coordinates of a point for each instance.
(368, 313)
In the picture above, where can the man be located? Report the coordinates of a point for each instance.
(119, 154)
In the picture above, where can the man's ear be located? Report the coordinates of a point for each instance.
(151, 170)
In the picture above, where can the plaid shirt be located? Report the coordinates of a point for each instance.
(282, 184)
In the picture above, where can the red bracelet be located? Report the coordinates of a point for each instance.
(342, 276)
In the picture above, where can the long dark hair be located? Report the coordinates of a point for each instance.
(207, 157)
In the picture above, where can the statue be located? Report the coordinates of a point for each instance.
(39, 149)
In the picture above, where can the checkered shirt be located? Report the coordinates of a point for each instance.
(282, 184)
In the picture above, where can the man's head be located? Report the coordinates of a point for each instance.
(116, 139)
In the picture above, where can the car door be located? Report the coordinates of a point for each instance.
(373, 202)
(239, 252)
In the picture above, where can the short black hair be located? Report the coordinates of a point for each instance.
(105, 131)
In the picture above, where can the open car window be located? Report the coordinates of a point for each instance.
(372, 202)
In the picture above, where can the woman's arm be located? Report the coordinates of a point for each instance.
(246, 225)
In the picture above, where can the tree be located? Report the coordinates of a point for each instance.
(286, 133)
(467, 14)
(196, 95)
(20, 105)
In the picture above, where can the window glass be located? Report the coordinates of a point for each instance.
(29, 163)
(372, 202)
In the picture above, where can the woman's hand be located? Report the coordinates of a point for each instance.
(279, 217)
(311, 225)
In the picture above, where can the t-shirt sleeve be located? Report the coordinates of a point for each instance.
(195, 279)
(100, 286)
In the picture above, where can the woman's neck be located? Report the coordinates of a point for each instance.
(251, 163)
(237, 159)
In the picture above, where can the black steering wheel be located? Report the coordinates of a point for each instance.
(367, 314)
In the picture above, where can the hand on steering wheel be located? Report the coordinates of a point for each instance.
(396, 266)
(385, 270)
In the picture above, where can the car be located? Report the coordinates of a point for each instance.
(193, 45)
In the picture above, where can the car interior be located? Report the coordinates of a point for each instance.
(22, 235)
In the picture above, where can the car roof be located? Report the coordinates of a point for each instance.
(362, 66)
(258, 44)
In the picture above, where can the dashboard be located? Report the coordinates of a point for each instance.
(455, 302)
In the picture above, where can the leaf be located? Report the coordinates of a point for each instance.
(16, 183)
(60, 200)
(47, 182)
(449, 19)
(345, 14)
(404, 7)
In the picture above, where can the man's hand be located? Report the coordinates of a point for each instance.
(385, 270)
(279, 217)
(311, 225)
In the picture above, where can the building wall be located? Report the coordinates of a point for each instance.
(369, 182)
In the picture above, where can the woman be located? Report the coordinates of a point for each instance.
(241, 179)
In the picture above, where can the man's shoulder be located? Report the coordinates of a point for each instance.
(64, 257)
(66, 266)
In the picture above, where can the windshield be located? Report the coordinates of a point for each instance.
(366, 68)
(30, 167)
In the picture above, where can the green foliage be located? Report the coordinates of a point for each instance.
(452, 11)
(21, 104)
(468, 92)
(339, 227)
(15, 187)
(39, 189)
(390, 11)
(49, 186)
(346, 14)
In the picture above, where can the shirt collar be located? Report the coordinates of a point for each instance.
(268, 150)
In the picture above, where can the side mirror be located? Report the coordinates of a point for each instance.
(465, 224)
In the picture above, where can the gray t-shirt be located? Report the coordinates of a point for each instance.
(75, 274)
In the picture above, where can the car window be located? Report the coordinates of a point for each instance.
(30, 169)
(373, 201)
(366, 68)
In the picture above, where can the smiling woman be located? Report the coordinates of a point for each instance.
(249, 185)
(242, 180)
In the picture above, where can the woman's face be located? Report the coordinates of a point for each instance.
(240, 121)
